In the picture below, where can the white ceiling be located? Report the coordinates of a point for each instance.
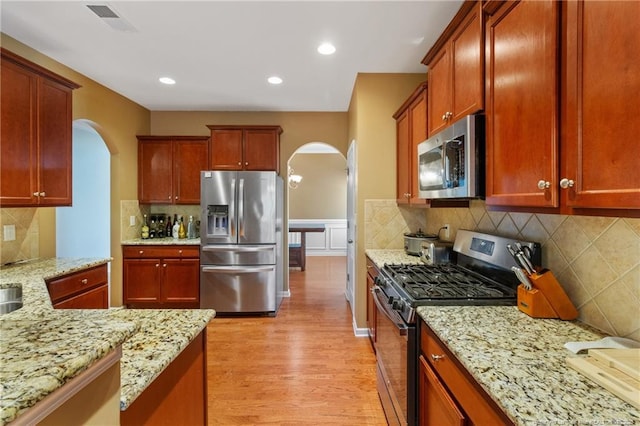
(221, 52)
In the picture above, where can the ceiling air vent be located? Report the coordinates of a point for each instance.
(111, 18)
(102, 11)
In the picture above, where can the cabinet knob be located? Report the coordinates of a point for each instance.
(444, 117)
(141, 252)
(543, 184)
(239, 163)
(176, 197)
(36, 194)
(246, 163)
(164, 265)
(437, 358)
(157, 265)
(179, 251)
(42, 194)
(566, 183)
(84, 281)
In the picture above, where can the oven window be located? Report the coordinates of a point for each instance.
(430, 170)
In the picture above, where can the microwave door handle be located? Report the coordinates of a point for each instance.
(445, 165)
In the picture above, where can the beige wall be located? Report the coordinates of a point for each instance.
(322, 194)
(376, 97)
(117, 120)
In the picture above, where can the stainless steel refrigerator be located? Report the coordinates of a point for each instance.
(241, 266)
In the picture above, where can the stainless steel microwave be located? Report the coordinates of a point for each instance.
(451, 162)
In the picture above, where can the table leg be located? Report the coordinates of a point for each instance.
(303, 247)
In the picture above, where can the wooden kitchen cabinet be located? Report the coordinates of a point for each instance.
(456, 69)
(411, 129)
(372, 273)
(566, 154)
(600, 152)
(169, 168)
(447, 393)
(35, 134)
(86, 289)
(161, 276)
(245, 148)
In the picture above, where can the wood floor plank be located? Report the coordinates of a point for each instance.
(303, 367)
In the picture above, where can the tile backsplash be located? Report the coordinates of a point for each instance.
(27, 242)
(596, 259)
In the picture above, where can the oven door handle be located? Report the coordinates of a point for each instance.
(389, 313)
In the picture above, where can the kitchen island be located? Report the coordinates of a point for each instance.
(42, 350)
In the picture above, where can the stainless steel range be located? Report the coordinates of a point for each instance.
(482, 275)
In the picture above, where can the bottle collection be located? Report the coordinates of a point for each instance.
(161, 226)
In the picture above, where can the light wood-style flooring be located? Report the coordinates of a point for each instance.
(303, 367)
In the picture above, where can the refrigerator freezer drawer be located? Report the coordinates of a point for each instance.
(232, 289)
(238, 255)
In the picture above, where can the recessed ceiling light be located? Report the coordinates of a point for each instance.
(167, 80)
(274, 80)
(326, 49)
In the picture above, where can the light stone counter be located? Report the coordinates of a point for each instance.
(520, 362)
(380, 257)
(41, 349)
(162, 242)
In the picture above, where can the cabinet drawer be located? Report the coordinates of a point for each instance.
(97, 298)
(81, 281)
(478, 405)
(160, 252)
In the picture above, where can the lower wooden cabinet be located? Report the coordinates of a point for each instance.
(161, 276)
(86, 289)
(447, 393)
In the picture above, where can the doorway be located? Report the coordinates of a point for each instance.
(83, 230)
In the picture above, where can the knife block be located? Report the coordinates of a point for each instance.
(547, 299)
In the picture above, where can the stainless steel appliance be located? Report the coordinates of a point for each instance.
(450, 163)
(481, 276)
(413, 242)
(437, 252)
(241, 267)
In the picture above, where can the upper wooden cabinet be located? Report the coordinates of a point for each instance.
(169, 168)
(456, 69)
(245, 148)
(562, 137)
(411, 129)
(35, 134)
(600, 148)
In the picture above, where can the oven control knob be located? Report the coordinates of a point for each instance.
(380, 281)
(397, 305)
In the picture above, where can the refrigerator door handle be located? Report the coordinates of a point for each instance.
(237, 270)
(232, 210)
(237, 248)
(241, 208)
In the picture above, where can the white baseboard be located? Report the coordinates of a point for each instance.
(360, 332)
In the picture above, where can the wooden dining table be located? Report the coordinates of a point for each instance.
(297, 252)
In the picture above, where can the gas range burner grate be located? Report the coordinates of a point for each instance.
(445, 282)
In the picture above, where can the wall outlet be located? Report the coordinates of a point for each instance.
(9, 233)
(445, 228)
(132, 221)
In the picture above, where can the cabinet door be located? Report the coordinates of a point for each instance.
(403, 167)
(436, 407)
(97, 298)
(261, 150)
(155, 171)
(181, 282)
(439, 78)
(18, 133)
(418, 133)
(522, 104)
(467, 91)
(190, 158)
(141, 281)
(600, 139)
(54, 144)
(226, 149)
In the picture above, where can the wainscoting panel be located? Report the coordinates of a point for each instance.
(332, 242)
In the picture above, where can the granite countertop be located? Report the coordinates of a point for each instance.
(41, 348)
(162, 242)
(397, 256)
(520, 362)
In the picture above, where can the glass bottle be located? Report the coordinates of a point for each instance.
(160, 231)
(169, 229)
(182, 231)
(145, 228)
(191, 228)
(176, 227)
(153, 228)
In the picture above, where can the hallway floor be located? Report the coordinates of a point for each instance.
(303, 367)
